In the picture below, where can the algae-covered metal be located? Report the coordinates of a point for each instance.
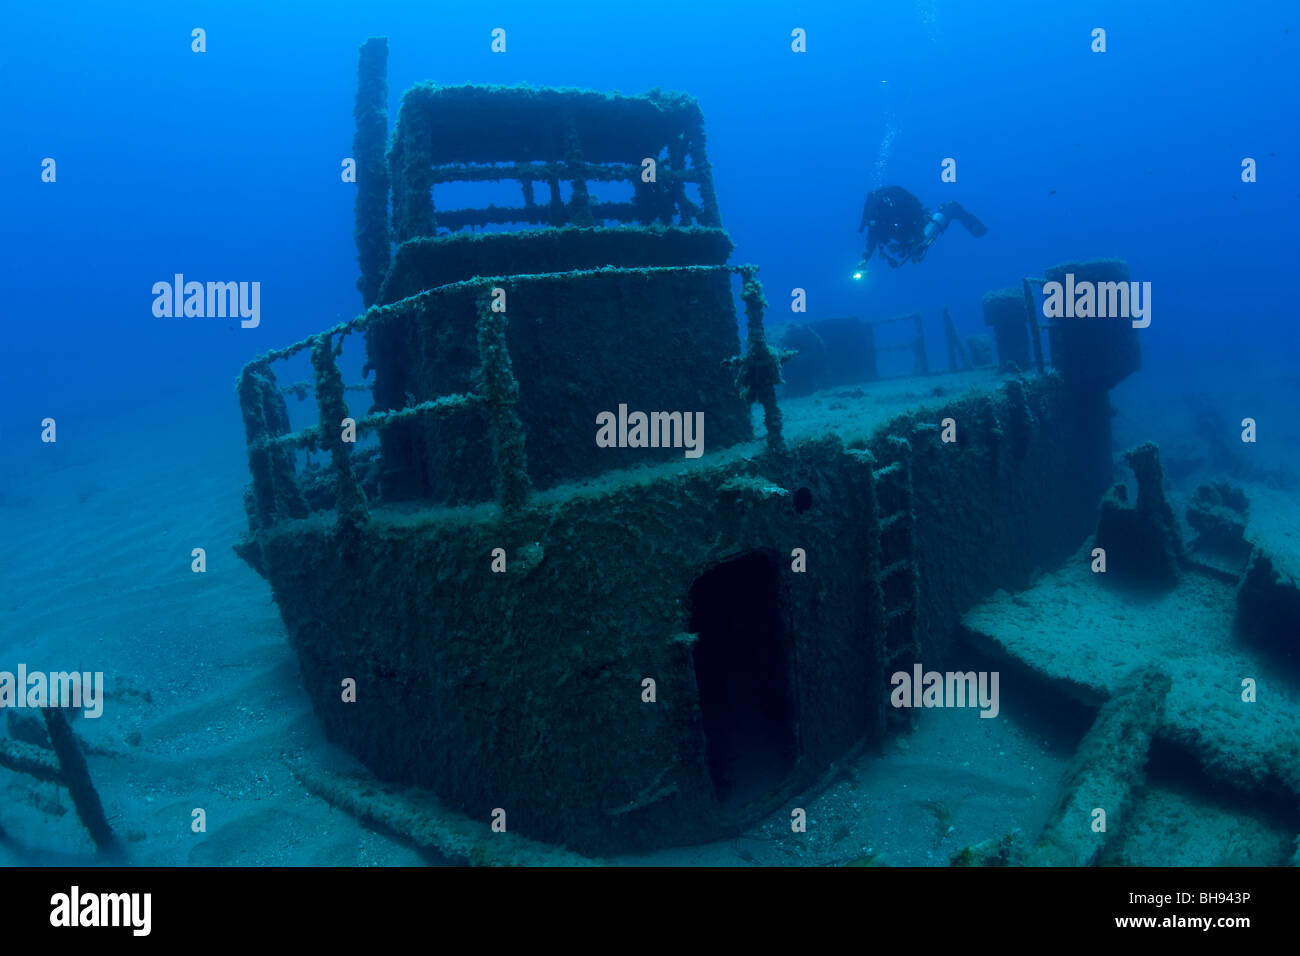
(620, 647)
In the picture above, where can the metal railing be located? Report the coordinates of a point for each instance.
(270, 442)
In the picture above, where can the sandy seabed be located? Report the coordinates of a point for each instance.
(204, 703)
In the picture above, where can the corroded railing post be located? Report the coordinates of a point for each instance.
(255, 435)
(1031, 310)
(580, 204)
(501, 393)
(333, 409)
(266, 416)
(703, 169)
(760, 368)
(920, 360)
(410, 163)
(677, 184)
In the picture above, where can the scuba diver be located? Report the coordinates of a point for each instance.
(901, 228)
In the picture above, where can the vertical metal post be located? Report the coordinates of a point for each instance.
(921, 362)
(275, 485)
(958, 360)
(412, 169)
(333, 409)
(760, 370)
(581, 202)
(1031, 316)
(370, 213)
(255, 434)
(501, 390)
(700, 164)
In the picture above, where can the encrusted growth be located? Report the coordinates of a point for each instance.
(549, 136)
(501, 393)
(1142, 541)
(504, 683)
(1004, 311)
(759, 370)
(333, 409)
(371, 211)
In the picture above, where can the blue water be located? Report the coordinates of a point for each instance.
(225, 165)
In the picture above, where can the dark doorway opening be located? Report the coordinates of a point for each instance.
(743, 664)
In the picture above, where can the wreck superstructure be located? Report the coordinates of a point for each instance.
(623, 648)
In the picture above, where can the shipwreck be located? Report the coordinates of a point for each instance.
(618, 648)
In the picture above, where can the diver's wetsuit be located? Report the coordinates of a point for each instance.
(901, 228)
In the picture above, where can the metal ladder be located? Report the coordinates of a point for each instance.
(899, 576)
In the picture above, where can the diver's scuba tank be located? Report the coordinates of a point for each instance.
(937, 224)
